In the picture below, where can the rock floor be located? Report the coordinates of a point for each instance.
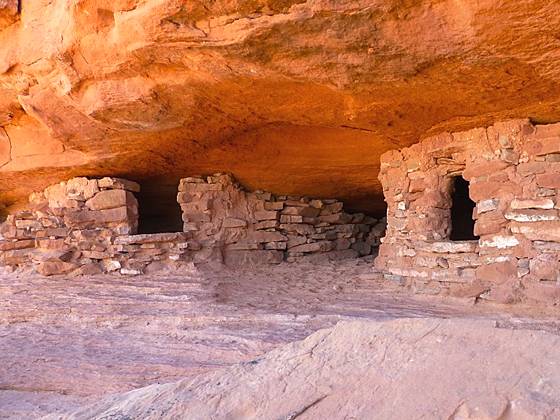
(65, 342)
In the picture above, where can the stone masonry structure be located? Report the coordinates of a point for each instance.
(88, 226)
(514, 174)
(257, 226)
(84, 226)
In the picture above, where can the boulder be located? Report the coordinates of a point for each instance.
(498, 272)
(94, 218)
(55, 267)
(538, 231)
(544, 203)
(266, 215)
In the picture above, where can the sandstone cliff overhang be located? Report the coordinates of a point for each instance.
(293, 97)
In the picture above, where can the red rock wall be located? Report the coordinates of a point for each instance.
(514, 174)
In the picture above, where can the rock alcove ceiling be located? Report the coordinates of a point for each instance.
(291, 96)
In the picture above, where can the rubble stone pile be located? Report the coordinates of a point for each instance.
(514, 174)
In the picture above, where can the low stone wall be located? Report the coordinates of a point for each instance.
(138, 254)
(514, 174)
(85, 226)
(254, 227)
(88, 226)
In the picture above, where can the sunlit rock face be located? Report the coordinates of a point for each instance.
(292, 96)
(9, 10)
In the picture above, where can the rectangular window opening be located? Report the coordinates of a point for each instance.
(158, 209)
(462, 207)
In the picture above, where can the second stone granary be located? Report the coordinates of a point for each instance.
(476, 213)
(89, 226)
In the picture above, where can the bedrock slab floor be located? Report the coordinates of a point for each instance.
(65, 342)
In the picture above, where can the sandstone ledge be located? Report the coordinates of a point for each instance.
(359, 368)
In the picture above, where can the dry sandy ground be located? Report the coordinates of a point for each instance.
(65, 342)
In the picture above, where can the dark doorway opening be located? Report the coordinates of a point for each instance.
(462, 222)
(158, 209)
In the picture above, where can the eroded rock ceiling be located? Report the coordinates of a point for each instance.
(291, 96)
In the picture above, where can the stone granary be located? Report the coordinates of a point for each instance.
(89, 226)
(476, 213)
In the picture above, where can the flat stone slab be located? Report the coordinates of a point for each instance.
(447, 247)
(148, 238)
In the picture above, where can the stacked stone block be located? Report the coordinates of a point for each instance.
(250, 227)
(139, 254)
(84, 226)
(88, 226)
(514, 174)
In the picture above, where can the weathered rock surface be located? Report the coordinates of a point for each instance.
(292, 96)
(66, 342)
(408, 368)
(8, 12)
